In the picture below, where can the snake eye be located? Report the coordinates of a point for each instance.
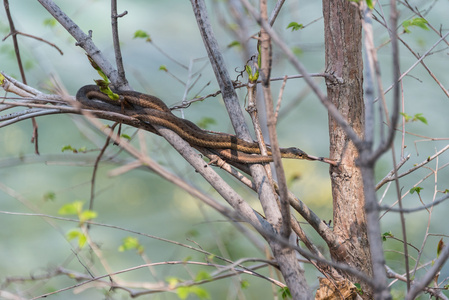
(299, 152)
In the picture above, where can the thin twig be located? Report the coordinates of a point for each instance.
(433, 291)
(116, 41)
(278, 104)
(390, 176)
(13, 32)
(419, 285)
(417, 62)
(36, 38)
(445, 91)
(240, 85)
(411, 210)
(95, 169)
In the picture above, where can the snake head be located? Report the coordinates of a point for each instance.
(297, 153)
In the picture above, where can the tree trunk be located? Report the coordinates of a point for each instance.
(343, 42)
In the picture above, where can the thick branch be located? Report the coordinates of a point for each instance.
(288, 263)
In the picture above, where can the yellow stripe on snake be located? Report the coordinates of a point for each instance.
(150, 110)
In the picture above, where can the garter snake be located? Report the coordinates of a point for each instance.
(153, 111)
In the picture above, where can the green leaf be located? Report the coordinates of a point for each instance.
(67, 148)
(103, 84)
(248, 70)
(440, 247)
(50, 22)
(419, 117)
(98, 69)
(359, 288)
(407, 117)
(184, 291)
(211, 257)
(73, 234)
(163, 68)
(186, 259)
(418, 22)
(125, 136)
(172, 281)
(386, 234)
(49, 196)
(193, 233)
(416, 117)
(233, 44)
(82, 239)
(29, 64)
(206, 122)
(285, 293)
(140, 34)
(87, 215)
(202, 275)
(244, 284)
(200, 292)
(73, 208)
(131, 243)
(233, 26)
(295, 26)
(77, 234)
(105, 89)
(252, 77)
(70, 148)
(293, 177)
(297, 51)
(416, 189)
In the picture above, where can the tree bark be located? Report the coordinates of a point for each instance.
(343, 43)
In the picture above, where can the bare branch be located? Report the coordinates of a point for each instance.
(276, 11)
(84, 41)
(115, 39)
(417, 62)
(410, 210)
(390, 176)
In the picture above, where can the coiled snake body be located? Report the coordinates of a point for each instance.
(150, 110)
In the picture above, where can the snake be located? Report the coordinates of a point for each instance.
(151, 110)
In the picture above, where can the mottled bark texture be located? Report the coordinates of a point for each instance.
(343, 42)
